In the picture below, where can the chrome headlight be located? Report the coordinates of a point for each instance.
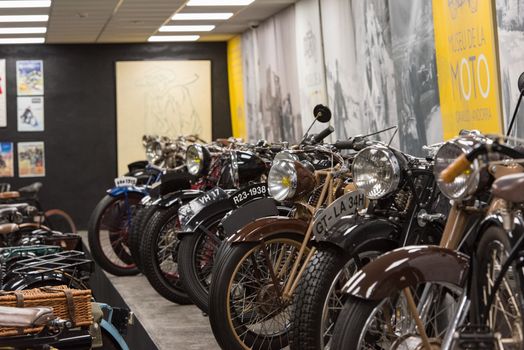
(282, 179)
(197, 159)
(153, 148)
(235, 176)
(289, 179)
(283, 155)
(465, 184)
(376, 171)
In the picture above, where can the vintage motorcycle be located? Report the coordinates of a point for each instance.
(404, 208)
(465, 293)
(261, 264)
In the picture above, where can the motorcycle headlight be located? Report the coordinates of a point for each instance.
(235, 176)
(465, 184)
(285, 155)
(197, 159)
(289, 179)
(152, 151)
(376, 171)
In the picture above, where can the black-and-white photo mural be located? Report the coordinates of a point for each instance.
(359, 66)
(418, 104)
(310, 61)
(273, 107)
(510, 23)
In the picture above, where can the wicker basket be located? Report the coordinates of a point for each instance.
(67, 304)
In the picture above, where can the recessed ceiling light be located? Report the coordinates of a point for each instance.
(202, 28)
(5, 4)
(22, 40)
(219, 2)
(25, 18)
(164, 38)
(202, 16)
(23, 30)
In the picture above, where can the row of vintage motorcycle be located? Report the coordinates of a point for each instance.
(350, 245)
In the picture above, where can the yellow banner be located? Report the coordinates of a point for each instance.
(465, 43)
(236, 87)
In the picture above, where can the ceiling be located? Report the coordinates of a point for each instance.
(119, 21)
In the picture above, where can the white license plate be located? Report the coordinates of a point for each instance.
(348, 204)
(125, 181)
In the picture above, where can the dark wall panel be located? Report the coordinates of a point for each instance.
(80, 113)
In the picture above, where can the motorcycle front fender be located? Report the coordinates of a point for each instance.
(355, 233)
(173, 198)
(408, 267)
(497, 220)
(211, 212)
(113, 332)
(266, 227)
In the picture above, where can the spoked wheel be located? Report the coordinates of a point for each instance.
(108, 230)
(318, 300)
(388, 323)
(159, 255)
(59, 220)
(248, 310)
(506, 313)
(197, 256)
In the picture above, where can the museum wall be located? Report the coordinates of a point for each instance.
(80, 114)
(372, 62)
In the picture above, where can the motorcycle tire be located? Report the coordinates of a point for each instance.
(126, 265)
(138, 226)
(227, 327)
(196, 259)
(171, 289)
(320, 280)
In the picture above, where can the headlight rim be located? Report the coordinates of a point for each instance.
(203, 156)
(393, 161)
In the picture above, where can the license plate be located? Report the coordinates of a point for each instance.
(125, 181)
(249, 193)
(187, 211)
(348, 204)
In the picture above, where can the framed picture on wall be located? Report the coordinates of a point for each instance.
(6, 159)
(167, 98)
(31, 159)
(3, 92)
(30, 77)
(30, 113)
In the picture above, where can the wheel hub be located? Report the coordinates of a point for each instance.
(269, 300)
(414, 342)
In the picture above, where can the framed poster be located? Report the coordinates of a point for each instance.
(30, 113)
(6, 159)
(467, 66)
(3, 92)
(31, 159)
(30, 77)
(167, 98)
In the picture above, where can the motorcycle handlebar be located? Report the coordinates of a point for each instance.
(323, 134)
(456, 168)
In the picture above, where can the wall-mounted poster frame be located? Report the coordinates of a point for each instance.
(30, 78)
(6, 159)
(31, 159)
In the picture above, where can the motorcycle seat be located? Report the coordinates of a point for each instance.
(25, 316)
(6, 229)
(9, 195)
(510, 188)
(31, 189)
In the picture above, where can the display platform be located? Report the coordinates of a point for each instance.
(159, 324)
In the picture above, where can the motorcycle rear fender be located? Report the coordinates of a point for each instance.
(117, 191)
(266, 227)
(27, 282)
(405, 267)
(171, 199)
(217, 209)
(355, 233)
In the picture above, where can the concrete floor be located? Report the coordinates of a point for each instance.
(170, 326)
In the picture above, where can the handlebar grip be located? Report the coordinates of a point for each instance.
(323, 134)
(344, 144)
(456, 168)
